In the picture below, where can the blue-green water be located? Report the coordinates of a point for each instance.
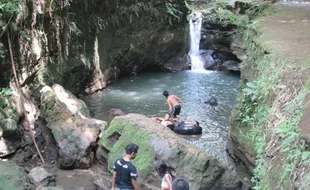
(143, 94)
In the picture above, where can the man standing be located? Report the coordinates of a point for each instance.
(173, 103)
(125, 173)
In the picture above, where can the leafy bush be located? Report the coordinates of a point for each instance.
(8, 8)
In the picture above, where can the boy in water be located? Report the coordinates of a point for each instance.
(173, 103)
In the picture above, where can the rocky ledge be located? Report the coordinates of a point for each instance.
(157, 142)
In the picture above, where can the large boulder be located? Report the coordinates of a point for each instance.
(12, 177)
(74, 130)
(157, 142)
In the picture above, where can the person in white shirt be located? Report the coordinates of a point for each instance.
(165, 173)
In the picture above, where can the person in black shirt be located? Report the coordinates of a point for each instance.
(125, 173)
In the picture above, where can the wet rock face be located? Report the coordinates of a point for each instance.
(218, 46)
(74, 130)
(157, 142)
(13, 177)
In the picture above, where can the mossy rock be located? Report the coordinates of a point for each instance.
(157, 142)
(11, 177)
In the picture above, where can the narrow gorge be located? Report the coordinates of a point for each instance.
(82, 79)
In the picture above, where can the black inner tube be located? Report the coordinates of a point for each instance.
(188, 130)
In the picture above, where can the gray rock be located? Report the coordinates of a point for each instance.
(74, 130)
(231, 65)
(176, 64)
(10, 136)
(8, 127)
(41, 177)
(116, 112)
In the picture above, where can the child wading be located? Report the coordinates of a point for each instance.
(164, 172)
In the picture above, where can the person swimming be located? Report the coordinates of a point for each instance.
(212, 102)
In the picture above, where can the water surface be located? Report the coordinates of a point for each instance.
(143, 94)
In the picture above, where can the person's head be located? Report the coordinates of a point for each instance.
(167, 116)
(196, 123)
(180, 184)
(132, 150)
(212, 102)
(162, 169)
(166, 93)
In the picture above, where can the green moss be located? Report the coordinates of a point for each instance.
(144, 161)
(11, 177)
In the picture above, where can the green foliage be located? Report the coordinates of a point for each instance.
(295, 149)
(255, 108)
(5, 94)
(8, 8)
(172, 13)
(3, 52)
(120, 12)
(241, 21)
(227, 17)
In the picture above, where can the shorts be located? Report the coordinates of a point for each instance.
(176, 110)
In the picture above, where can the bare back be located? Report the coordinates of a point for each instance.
(174, 100)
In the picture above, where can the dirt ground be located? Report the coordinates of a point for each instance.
(84, 179)
(288, 31)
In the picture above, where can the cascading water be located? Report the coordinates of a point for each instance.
(195, 35)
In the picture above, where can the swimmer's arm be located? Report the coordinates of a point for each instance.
(169, 104)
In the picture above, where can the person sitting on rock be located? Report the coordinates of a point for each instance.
(166, 121)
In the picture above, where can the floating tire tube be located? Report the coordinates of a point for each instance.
(188, 130)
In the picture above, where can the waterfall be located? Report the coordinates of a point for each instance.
(195, 35)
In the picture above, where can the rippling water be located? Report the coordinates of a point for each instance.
(143, 94)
